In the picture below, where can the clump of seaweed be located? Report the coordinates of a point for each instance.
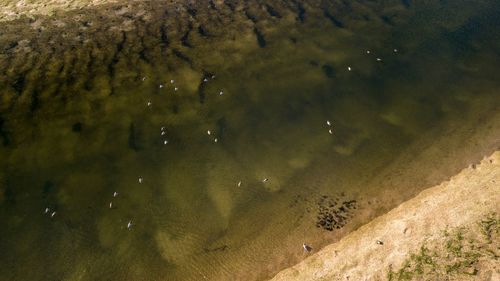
(332, 213)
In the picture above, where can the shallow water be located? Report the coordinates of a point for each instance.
(86, 96)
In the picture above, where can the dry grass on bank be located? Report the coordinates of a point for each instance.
(463, 253)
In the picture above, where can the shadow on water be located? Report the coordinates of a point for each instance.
(231, 131)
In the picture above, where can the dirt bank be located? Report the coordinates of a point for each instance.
(415, 226)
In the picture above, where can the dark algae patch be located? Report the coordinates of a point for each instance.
(301, 15)
(3, 133)
(328, 70)
(333, 19)
(77, 127)
(272, 12)
(260, 38)
(334, 212)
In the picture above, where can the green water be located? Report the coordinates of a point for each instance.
(87, 108)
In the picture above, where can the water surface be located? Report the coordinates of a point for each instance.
(121, 97)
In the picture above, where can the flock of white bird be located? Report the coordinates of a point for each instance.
(163, 133)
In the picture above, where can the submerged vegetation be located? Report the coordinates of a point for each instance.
(460, 254)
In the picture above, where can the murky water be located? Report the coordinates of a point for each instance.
(209, 121)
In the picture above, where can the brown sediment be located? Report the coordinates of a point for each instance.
(460, 203)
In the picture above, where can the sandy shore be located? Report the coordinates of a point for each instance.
(461, 202)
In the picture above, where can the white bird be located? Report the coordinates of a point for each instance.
(265, 180)
(163, 128)
(172, 81)
(215, 140)
(213, 76)
(129, 224)
(395, 50)
(115, 194)
(143, 78)
(349, 68)
(205, 80)
(165, 141)
(330, 131)
(161, 86)
(239, 183)
(163, 133)
(221, 93)
(328, 123)
(53, 214)
(47, 210)
(175, 89)
(379, 59)
(110, 205)
(149, 103)
(140, 179)
(368, 52)
(208, 132)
